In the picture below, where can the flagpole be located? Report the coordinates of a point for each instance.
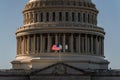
(60, 49)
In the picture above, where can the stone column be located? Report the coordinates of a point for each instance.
(56, 39)
(20, 45)
(34, 44)
(17, 45)
(76, 17)
(33, 19)
(83, 41)
(71, 47)
(44, 16)
(41, 43)
(70, 13)
(64, 39)
(99, 46)
(102, 46)
(63, 16)
(96, 44)
(86, 44)
(79, 43)
(37, 48)
(23, 46)
(91, 44)
(28, 44)
(48, 41)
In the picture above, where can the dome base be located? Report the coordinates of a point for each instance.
(78, 61)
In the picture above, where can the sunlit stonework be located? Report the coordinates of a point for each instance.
(72, 24)
(60, 40)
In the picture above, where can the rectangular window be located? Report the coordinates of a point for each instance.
(41, 15)
(73, 16)
(47, 16)
(53, 16)
(60, 16)
(79, 17)
(67, 16)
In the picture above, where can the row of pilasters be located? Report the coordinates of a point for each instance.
(71, 43)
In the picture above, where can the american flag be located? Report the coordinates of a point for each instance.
(56, 47)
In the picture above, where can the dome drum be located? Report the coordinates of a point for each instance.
(70, 25)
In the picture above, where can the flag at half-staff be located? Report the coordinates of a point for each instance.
(56, 47)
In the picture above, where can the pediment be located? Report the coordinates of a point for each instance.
(59, 69)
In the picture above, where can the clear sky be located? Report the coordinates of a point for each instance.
(11, 18)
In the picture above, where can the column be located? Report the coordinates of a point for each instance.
(56, 39)
(28, 44)
(76, 17)
(17, 45)
(64, 39)
(41, 43)
(102, 46)
(86, 46)
(70, 19)
(37, 48)
(44, 16)
(23, 45)
(96, 44)
(33, 19)
(34, 44)
(63, 16)
(83, 50)
(99, 46)
(48, 43)
(71, 47)
(91, 44)
(79, 43)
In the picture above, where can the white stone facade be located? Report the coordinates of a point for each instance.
(69, 23)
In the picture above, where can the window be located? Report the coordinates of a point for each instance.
(79, 17)
(53, 16)
(73, 16)
(41, 15)
(47, 16)
(60, 16)
(84, 18)
(66, 15)
(88, 18)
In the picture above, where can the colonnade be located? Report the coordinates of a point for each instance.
(70, 43)
(60, 16)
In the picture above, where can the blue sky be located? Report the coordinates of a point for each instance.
(11, 18)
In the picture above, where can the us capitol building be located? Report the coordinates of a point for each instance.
(71, 25)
